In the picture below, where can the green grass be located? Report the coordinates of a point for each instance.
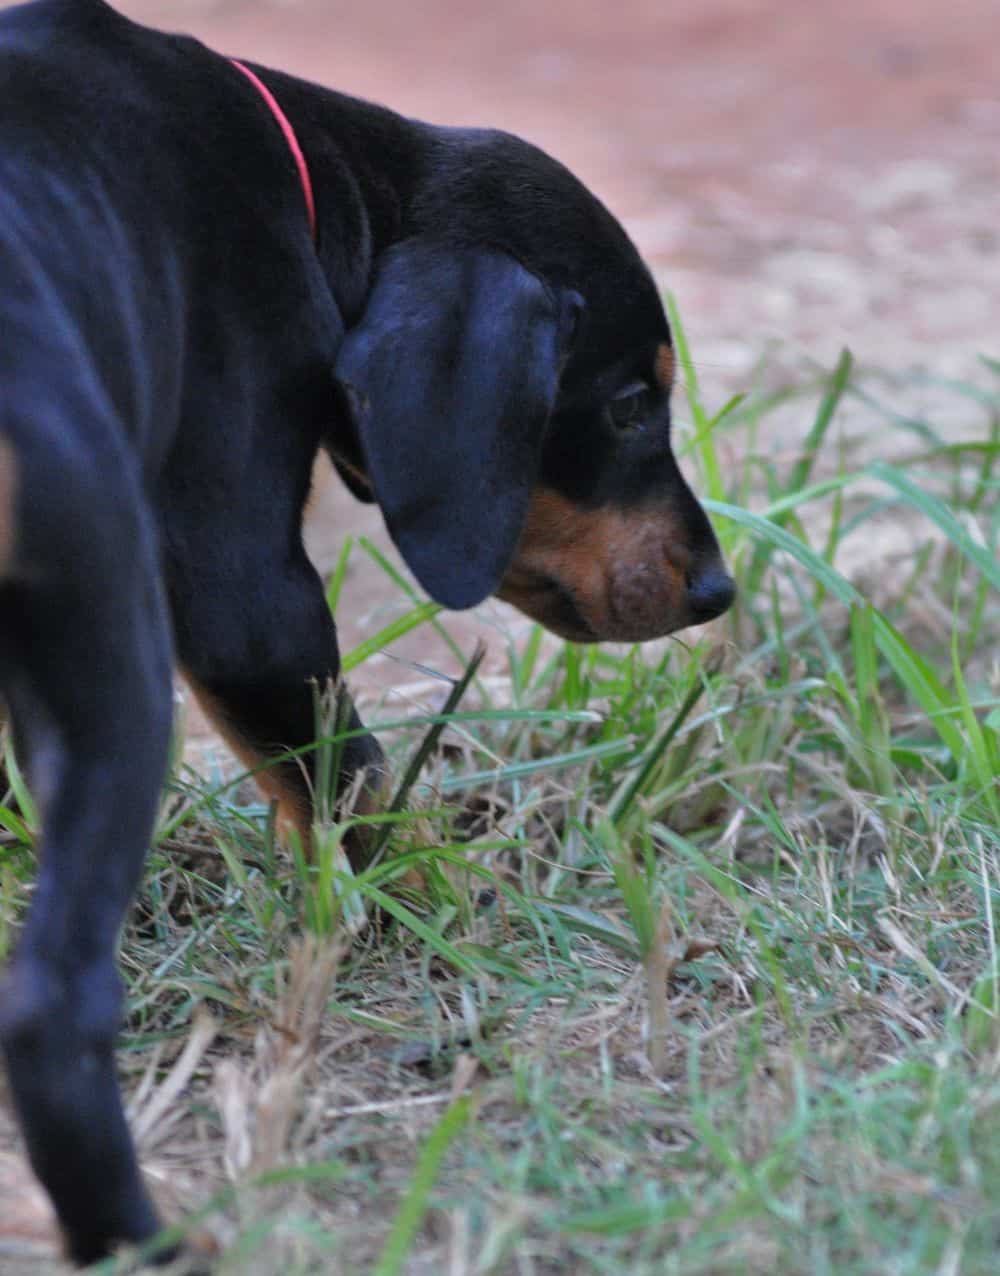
(703, 977)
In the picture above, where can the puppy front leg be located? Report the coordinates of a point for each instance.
(256, 675)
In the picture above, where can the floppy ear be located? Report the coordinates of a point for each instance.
(451, 375)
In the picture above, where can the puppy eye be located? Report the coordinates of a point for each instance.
(628, 409)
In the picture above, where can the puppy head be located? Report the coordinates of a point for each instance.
(512, 404)
(615, 545)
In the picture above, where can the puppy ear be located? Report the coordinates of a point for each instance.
(451, 375)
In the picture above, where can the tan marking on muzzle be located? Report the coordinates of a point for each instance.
(8, 498)
(665, 366)
(604, 574)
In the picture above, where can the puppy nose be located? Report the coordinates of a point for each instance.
(710, 592)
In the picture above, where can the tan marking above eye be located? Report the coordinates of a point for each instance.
(8, 494)
(665, 366)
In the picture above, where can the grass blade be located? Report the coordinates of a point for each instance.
(941, 515)
(427, 746)
(414, 1204)
(398, 628)
(537, 766)
(627, 791)
(781, 539)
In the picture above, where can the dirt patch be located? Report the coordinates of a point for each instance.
(819, 176)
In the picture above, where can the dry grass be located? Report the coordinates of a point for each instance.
(703, 977)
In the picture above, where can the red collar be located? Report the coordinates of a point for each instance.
(290, 138)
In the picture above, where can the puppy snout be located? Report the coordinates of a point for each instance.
(710, 592)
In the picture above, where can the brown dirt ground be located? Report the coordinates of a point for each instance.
(803, 175)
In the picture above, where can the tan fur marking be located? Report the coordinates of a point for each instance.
(287, 784)
(355, 471)
(8, 496)
(665, 366)
(620, 568)
(278, 782)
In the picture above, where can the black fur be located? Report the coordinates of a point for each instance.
(453, 430)
(175, 349)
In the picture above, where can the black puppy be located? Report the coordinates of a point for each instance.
(466, 330)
